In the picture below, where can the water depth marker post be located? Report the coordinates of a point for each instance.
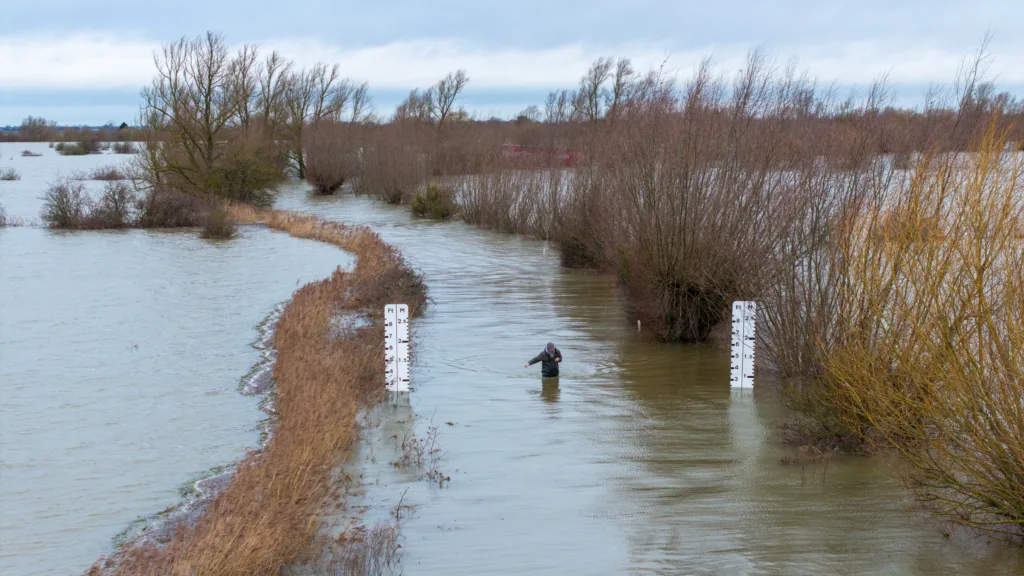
(396, 347)
(741, 359)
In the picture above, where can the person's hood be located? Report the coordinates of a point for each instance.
(550, 347)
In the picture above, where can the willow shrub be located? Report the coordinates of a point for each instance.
(436, 202)
(332, 155)
(931, 305)
(393, 168)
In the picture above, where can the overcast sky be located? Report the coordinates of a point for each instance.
(83, 62)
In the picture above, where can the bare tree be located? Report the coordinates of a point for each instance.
(435, 104)
(244, 84)
(592, 92)
(620, 87)
(205, 118)
(590, 101)
(362, 103)
(556, 108)
(191, 98)
(445, 93)
(577, 106)
(312, 96)
(37, 129)
(273, 83)
(417, 107)
(529, 114)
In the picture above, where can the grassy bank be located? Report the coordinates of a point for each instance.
(272, 509)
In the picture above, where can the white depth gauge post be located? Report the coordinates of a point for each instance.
(396, 347)
(742, 356)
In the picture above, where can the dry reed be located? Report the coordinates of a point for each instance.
(271, 510)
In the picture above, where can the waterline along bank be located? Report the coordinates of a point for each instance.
(273, 507)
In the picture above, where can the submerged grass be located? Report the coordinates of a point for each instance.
(274, 505)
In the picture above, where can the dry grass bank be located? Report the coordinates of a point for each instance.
(272, 509)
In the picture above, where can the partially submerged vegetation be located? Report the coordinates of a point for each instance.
(9, 174)
(359, 550)
(929, 363)
(107, 173)
(104, 173)
(253, 133)
(273, 508)
(123, 148)
(68, 205)
(332, 155)
(220, 224)
(11, 221)
(80, 148)
(883, 246)
(435, 202)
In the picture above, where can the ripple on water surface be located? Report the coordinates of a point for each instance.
(120, 360)
(641, 460)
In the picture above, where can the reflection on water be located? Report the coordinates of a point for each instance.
(642, 459)
(120, 359)
(549, 390)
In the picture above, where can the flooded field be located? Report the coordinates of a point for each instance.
(121, 354)
(120, 360)
(640, 460)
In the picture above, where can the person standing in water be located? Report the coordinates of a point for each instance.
(549, 359)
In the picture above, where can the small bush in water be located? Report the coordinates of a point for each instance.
(6, 220)
(392, 170)
(30, 154)
(165, 207)
(9, 174)
(436, 202)
(65, 204)
(219, 223)
(123, 148)
(106, 173)
(80, 148)
(331, 156)
(115, 209)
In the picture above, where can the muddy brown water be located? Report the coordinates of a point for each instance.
(641, 460)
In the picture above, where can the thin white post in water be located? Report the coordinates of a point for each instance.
(391, 347)
(396, 347)
(402, 323)
(741, 361)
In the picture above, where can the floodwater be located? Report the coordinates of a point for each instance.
(121, 354)
(641, 460)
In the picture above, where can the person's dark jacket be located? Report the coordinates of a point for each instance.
(548, 366)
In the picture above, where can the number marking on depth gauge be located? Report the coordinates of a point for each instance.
(396, 347)
(741, 360)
